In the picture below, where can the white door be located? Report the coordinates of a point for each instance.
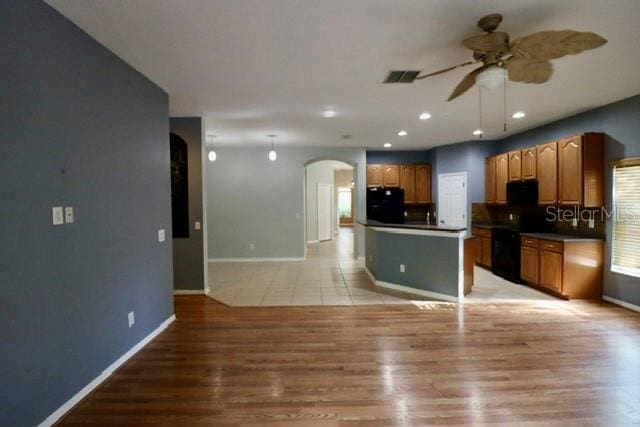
(452, 199)
(325, 213)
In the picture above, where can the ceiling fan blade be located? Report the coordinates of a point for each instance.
(528, 70)
(435, 73)
(490, 22)
(467, 82)
(488, 43)
(546, 45)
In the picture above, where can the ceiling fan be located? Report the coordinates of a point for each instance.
(525, 59)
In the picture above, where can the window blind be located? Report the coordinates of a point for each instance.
(626, 220)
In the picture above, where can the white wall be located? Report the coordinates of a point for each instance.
(253, 200)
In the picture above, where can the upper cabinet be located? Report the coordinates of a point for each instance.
(569, 171)
(529, 160)
(490, 180)
(547, 170)
(423, 183)
(581, 170)
(391, 175)
(502, 177)
(515, 165)
(374, 175)
(415, 180)
(408, 182)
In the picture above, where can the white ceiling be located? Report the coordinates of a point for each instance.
(259, 67)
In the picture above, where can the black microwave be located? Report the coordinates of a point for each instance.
(522, 193)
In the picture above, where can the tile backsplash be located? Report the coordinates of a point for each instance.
(481, 213)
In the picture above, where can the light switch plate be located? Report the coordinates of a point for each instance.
(68, 215)
(57, 214)
(131, 317)
(197, 225)
(161, 235)
(402, 269)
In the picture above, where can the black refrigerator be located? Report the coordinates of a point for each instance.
(385, 204)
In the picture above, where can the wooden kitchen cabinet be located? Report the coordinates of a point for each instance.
(515, 165)
(490, 180)
(581, 170)
(391, 175)
(423, 184)
(570, 269)
(529, 264)
(551, 270)
(529, 158)
(408, 182)
(502, 177)
(547, 171)
(374, 175)
(483, 246)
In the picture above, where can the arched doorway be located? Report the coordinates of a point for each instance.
(330, 207)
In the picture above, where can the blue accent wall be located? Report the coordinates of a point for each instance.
(68, 103)
(399, 157)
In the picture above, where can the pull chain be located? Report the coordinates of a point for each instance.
(504, 101)
(480, 111)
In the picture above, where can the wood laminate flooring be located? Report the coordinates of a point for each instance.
(539, 363)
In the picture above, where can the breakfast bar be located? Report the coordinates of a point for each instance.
(418, 258)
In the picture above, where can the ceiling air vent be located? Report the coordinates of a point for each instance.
(401, 76)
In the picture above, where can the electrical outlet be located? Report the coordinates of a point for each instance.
(197, 225)
(57, 215)
(592, 223)
(132, 318)
(574, 222)
(161, 235)
(251, 246)
(402, 268)
(68, 215)
(510, 217)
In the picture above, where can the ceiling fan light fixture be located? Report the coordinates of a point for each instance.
(491, 78)
(518, 115)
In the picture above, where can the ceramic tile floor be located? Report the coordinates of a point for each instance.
(330, 276)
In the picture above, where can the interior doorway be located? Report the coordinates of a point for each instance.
(329, 199)
(452, 199)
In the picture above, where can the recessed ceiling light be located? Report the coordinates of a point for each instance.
(477, 132)
(518, 115)
(329, 113)
(402, 133)
(387, 145)
(424, 116)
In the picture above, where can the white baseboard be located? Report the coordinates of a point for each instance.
(69, 404)
(310, 242)
(267, 259)
(410, 290)
(621, 303)
(189, 292)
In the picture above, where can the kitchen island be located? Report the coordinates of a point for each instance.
(418, 258)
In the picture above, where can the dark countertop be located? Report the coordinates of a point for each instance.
(411, 226)
(557, 237)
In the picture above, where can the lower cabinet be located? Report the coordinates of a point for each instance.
(551, 270)
(529, 264)
(483, 246)
(560, 268)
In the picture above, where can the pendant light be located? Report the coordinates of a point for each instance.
(272, 153)
(212, 154)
